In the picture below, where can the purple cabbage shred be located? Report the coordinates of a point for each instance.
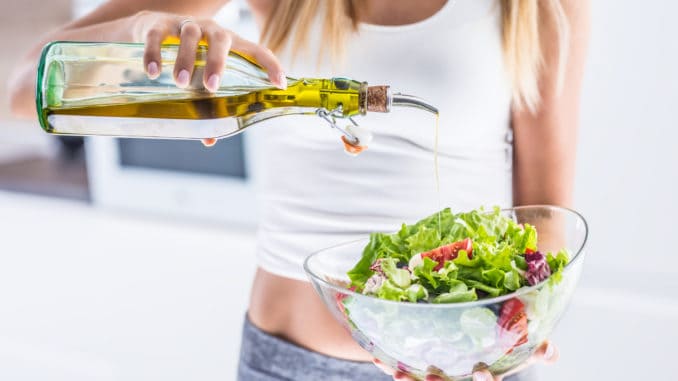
(376, 266)
(537, 268)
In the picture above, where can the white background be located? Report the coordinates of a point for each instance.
(622, 324)
(93, 295)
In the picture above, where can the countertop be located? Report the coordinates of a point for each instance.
(87, 294)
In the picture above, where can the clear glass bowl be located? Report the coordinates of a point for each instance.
(452, 340)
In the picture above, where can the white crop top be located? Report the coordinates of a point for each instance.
(314, 195)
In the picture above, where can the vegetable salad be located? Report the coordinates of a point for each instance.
(452, 258)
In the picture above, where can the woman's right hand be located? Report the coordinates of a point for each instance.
(153, 28)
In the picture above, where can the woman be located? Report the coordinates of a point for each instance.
(505, 75)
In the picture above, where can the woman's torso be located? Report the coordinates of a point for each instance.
(314, 196)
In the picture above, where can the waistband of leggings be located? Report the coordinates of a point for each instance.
(273, 355)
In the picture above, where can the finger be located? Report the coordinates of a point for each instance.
(398, 375)
(153, 40)
(219, 42)
(484, 375)
(189, 35)
(209, 142)
(547, 352)
(382, 367)
(433, 377)
(265, 58)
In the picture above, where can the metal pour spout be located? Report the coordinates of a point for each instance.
(372, 99)
(381, 99)
(405, 100)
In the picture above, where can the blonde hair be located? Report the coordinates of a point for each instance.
(523, 21)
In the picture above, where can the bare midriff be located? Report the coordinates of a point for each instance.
(291, 309)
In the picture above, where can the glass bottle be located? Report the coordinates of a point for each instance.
(86, 88)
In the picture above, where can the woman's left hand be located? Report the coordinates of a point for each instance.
(546, 353)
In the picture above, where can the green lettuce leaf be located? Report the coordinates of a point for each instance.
(458, 294)
(416, 292)
(493, 277)
(491, 291)
(361, 272)
(399, 277)
(464, 260)
(557, 263)
(512, 280)
(423, 240)
(428, 277)
(390, 291)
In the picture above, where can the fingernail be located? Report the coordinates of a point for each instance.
(213, 83)
(182, 78)
(152, 69)
(481, 376)
(282, 81)
(549, 352)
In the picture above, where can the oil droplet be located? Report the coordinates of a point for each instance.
(351, 149)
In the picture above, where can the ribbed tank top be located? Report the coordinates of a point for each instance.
(313, 195)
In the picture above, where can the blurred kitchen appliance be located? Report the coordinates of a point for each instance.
(178, 178)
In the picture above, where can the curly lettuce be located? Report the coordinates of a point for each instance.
(451, 258)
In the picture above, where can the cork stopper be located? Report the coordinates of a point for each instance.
(378, 99)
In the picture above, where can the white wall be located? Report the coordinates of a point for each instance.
(621, 325)
(628, 157)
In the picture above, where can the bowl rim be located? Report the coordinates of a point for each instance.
(578, 256)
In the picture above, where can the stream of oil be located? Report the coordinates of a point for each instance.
(437, 173)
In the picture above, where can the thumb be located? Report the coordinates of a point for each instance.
(547, 352)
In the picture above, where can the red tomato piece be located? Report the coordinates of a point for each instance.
(513, 322)
(449, 252)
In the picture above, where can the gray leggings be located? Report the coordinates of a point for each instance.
(264, 357)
